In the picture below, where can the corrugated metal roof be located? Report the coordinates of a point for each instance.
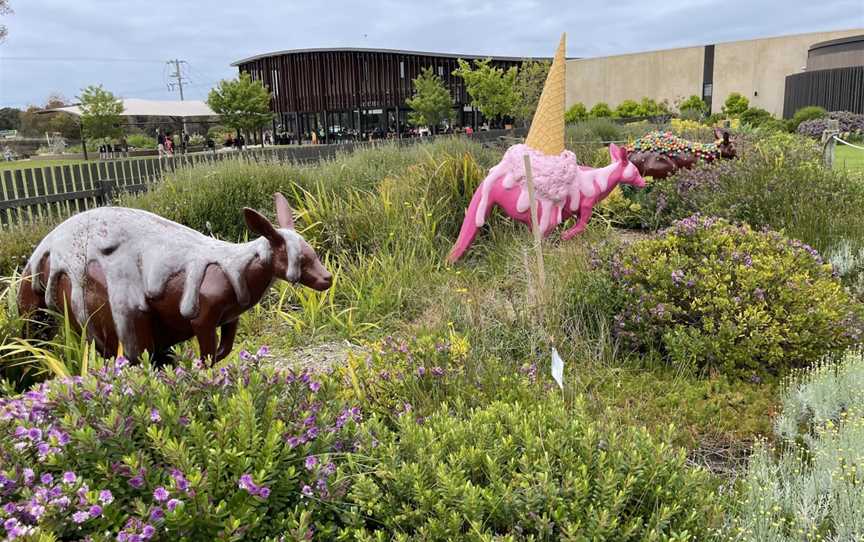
(134, 107)
(393, 51)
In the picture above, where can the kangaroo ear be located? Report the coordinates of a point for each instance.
(614, 151)
(725, 137)
(256, 222)
(718, 133)
(283, 211)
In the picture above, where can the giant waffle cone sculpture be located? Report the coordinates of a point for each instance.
(547, 128)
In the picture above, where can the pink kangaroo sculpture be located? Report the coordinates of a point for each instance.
(562, 189)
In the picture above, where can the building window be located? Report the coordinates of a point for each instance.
(402, 69)
(441, 71)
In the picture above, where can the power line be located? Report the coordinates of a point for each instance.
(177, 75)
(74, 59)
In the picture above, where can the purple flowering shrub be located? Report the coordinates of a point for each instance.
(851, 124)
(711, 295)
(134, 453)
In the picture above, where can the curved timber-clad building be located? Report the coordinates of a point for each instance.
(351, 90)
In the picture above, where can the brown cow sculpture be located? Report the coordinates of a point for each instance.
(133, 278)
(661, 154)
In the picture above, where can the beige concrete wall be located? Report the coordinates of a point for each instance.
(749, 67)
(758, 68)
(671, 74)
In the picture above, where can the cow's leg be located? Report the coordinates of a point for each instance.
(585, 210)
(30, 307)
(226, 339)
(206, 335)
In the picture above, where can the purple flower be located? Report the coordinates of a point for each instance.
(95, 511)
(62, 502)
(106, 497)
(173, 503)
(293, 442)
(69, 477)
(421, 371)
(245, 356)
(137, 482)
(10, 508)
(34, 434)
(29, 476)
(264, 492)
(154, 416)
(437, 371)
(46, 478)
(80, 517)
(759, 293)
(314, 386)
(120, 362)
(312, 433)
(306, 491)
(311, 462)
(246, 482)
(147, 532)
(160, 494)
(263, 351)
(157, 514)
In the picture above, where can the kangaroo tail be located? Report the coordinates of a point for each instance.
(469, 226)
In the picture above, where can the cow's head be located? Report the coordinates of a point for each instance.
(293, 258)
(629, 173)
(724, 143)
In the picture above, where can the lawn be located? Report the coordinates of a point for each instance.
(37, 162)
(849, 158)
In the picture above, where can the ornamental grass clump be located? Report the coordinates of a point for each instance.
(711, 295)
(189, 453)
(524, 471)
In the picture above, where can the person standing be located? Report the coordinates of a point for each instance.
(161, 145)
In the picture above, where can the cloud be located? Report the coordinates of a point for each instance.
(212, 34)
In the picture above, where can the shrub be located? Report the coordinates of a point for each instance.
(576, 113)
(141, 141)
(628, 109)
(652, 108)
(754, 117)
(595, 130)
(236, 452)
(850, 124)
(810, 488)
(764, 188)
(600, 110)
(693, 108)
(735, 105)
(528, 472)
(711, 295)
(805, 113)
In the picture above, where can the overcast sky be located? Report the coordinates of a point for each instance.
(61, 46)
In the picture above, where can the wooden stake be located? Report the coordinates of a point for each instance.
(535, 227)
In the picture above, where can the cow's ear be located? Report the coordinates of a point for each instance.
(614, 152)
(283, 211)
(259, 224)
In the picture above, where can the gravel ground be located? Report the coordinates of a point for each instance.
(316, 358)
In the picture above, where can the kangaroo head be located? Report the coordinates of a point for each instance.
(293, 258)
(629, 173)
(724, 144)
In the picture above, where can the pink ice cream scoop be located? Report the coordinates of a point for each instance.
(563, 189)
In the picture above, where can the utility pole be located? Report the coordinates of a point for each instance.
(179, 77)
(176, 75)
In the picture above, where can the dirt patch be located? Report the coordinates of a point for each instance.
(631, 236)
(317, 358)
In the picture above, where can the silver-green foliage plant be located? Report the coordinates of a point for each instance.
(812, 487)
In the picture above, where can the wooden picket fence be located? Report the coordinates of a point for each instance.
(54, 192)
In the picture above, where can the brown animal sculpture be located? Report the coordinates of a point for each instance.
(661, 154)
(133, 278)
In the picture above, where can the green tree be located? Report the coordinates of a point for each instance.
(600, 110)
(530, 80)
(4, 10)
(10, 118)
(576, 113)
(492, 90)
(735, 105)
(243, 104)
(35, 123)
(100, 113)
(431, 102)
